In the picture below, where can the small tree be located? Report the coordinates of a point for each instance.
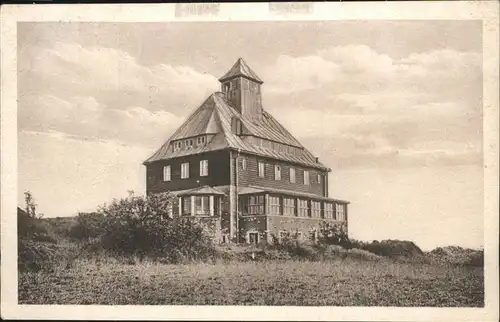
(31, 205)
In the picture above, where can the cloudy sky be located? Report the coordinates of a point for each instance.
(393, 107)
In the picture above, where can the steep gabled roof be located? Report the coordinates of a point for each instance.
(216, 113)
(240, 68)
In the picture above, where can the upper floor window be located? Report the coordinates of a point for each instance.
(184, 170)
(167, 173)
(277, 172)
(200, 140)
(339, 209)
(203, 168)
(177, 145)
(189, 143)
(292, 175)
(306, 177)
(318, 178)
(262, 169)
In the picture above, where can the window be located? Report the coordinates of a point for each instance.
(274, 205)
(255, 205)
(277, 172)
(328, 210)
(253, 238)
(186, 206)
(292, 175)
(289, 206)
(203, 168)
(262, 169)
(201, 205)
(340, 215)
(243, 163)
(177, 145)
(316, 209)
(306, 177)
(189, 143)
(318, 178)
(200, 140)
(303, 208)
(167, 173)
(184, 170)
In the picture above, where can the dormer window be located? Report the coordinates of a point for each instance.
(189, 143)
(200, 140)
(177, 145)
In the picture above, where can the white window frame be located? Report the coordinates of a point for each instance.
(167, 173)
(274, 205)
(185, 170)
(243, 163)
(205, 205)
(302, 205)
(277, 172)
(328, 210)
(288, 206)
(318, 178)
(253, 232)
(261, 169)
(306, 177)
(292, 175)
(256, 205)
(200, 140)
(339, 211)
(315, 209)
(203, 168)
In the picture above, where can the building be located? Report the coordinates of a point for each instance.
(234, 164)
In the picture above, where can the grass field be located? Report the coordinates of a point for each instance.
(333, 283)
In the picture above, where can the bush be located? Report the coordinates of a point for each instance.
(333, 234)
(142, 226)
(87, 226)
(394, 248)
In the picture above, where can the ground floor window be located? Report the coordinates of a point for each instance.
(289, 206)
(202, 207)
(274, 205)
(328, 210)
(340, 214)
(316, 209)
(255, 205)
(186, 206)
(253, 238)
(303, 208)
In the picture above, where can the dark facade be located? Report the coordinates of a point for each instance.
(234, 165)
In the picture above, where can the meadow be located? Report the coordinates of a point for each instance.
(340, 282)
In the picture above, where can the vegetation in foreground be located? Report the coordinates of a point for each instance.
(108, 258)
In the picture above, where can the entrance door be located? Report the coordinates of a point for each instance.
(253, 238)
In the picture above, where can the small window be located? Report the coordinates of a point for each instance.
(253, 238)
(186, 206)
(243, 163)
(184, 170)
(306, 177)
(167, 173)
(277, 172)
(203, 168)
(292, 175)
(200, 140)
(177, 145)
(318, 178)
(262, 169)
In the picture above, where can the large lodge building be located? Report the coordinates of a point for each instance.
(234, 164)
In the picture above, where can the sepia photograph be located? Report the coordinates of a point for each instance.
(234, 162)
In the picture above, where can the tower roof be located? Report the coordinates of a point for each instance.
(240, 68)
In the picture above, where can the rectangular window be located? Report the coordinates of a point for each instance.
(328, 210)
(256, 205)
(201, 205)
(277, 172)
(253, 238)
(184, 170)
(289, 206)
(318, 178)
(262, 169)
(203, 168)
(186, 206)
(292, 175)
(167, 173)
(306, 177)
(274, 205)
(189, 143)
(303, 208)
(200, 140)
(316, 209)
(177, 145)
(340, 215)
(243, 163)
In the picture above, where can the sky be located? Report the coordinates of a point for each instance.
(393, 107)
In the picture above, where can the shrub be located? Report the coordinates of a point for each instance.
(333, 234)
(142, 226)
(87, 226)
(394, 248)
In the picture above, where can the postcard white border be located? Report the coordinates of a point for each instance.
(487, 11)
